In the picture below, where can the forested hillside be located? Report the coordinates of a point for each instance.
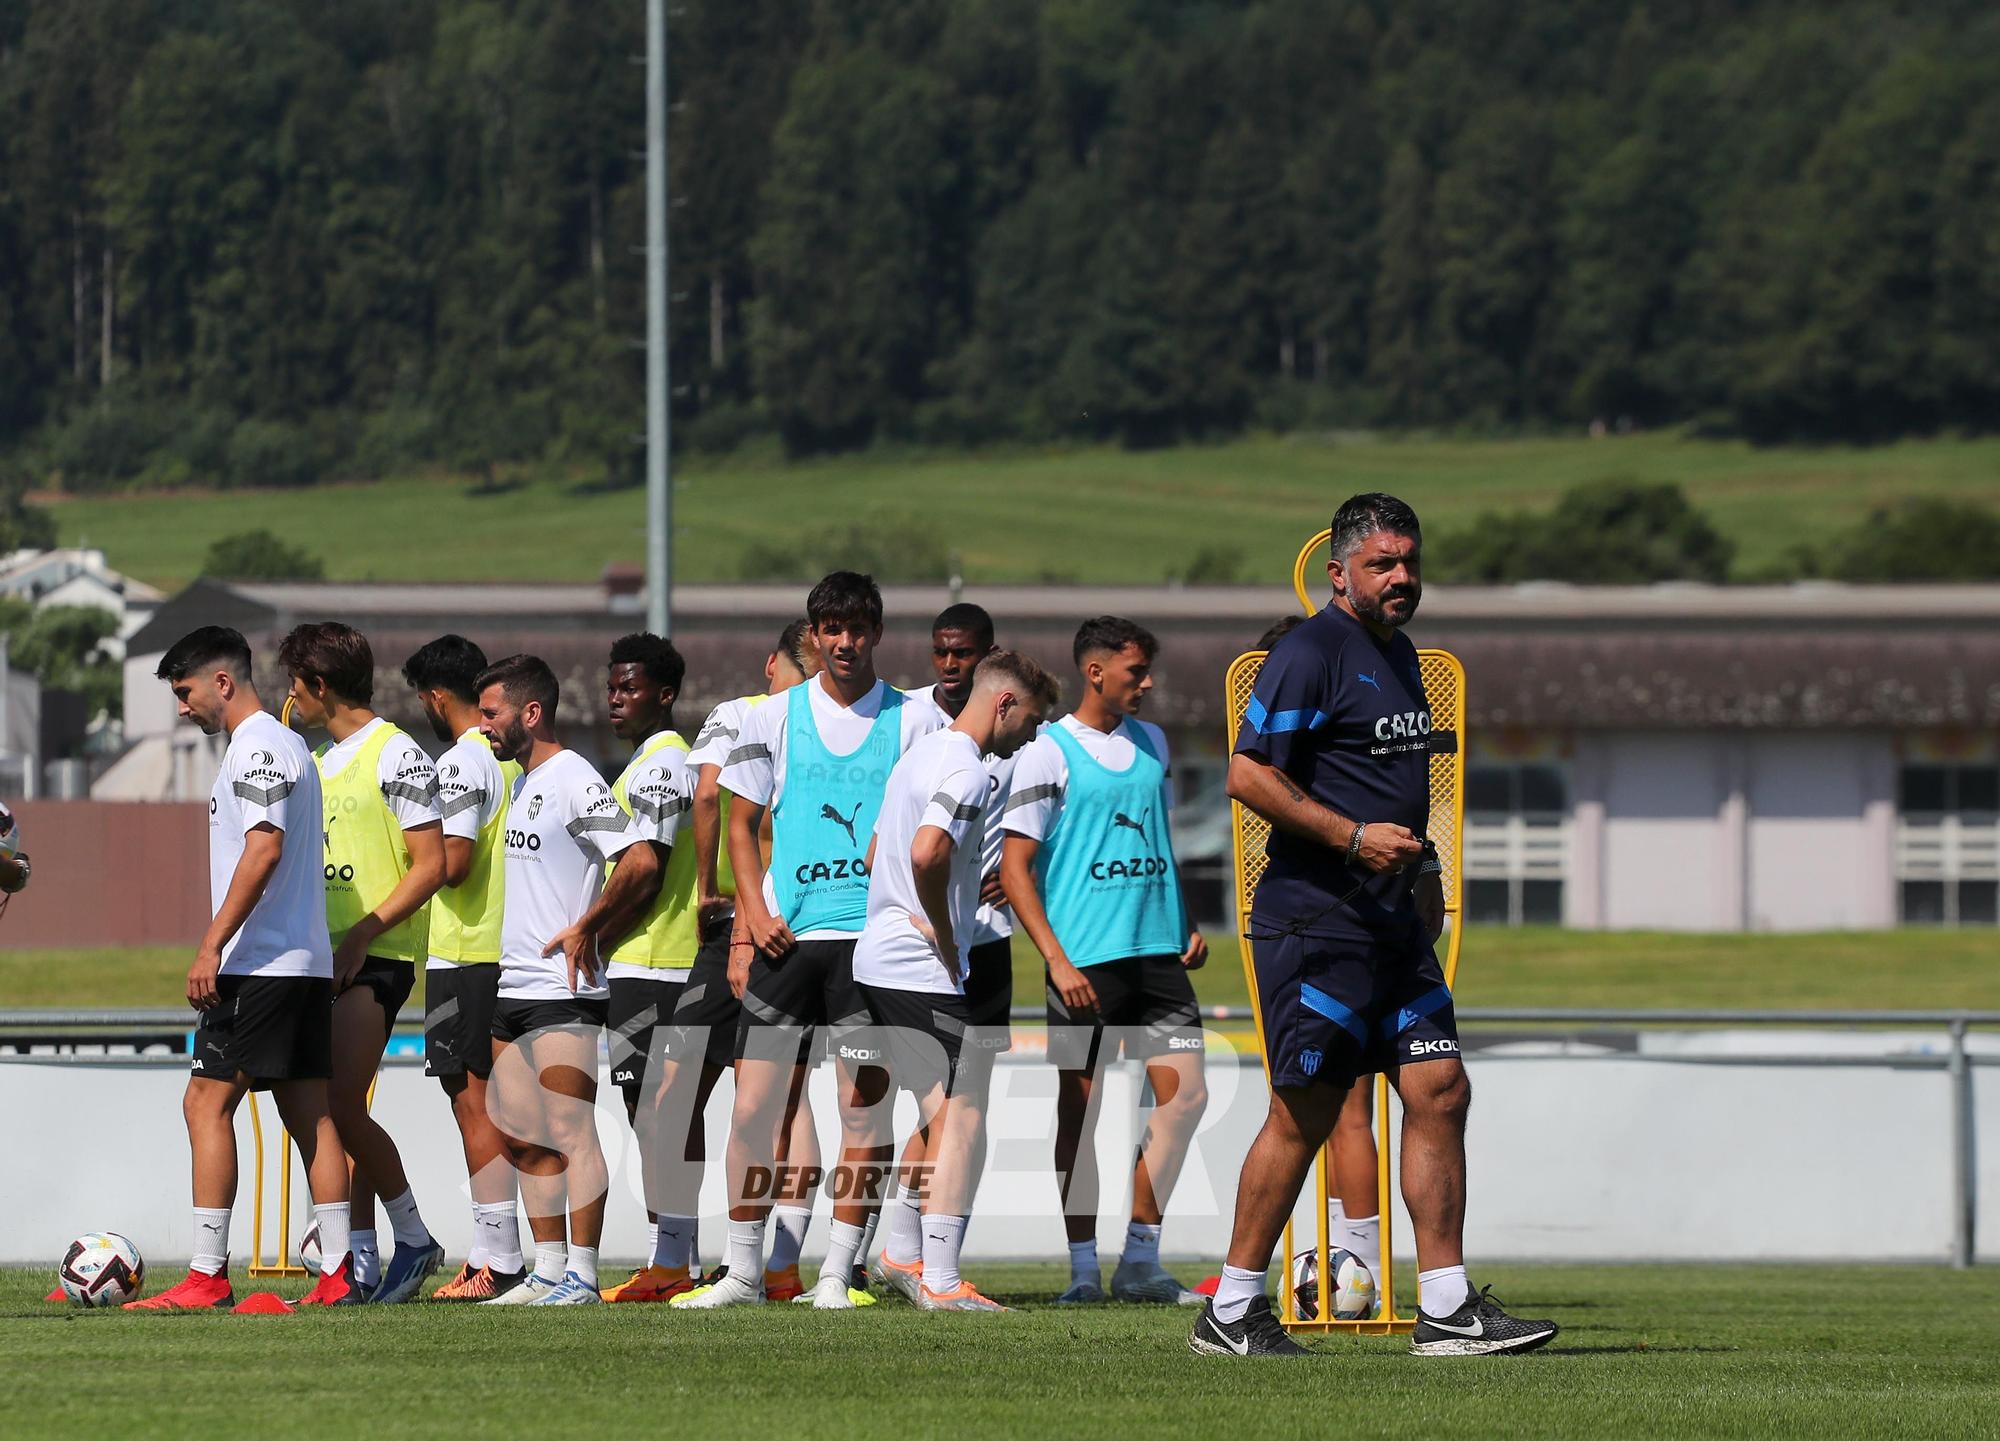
(278, 241)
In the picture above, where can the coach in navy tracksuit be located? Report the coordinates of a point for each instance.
(1335, 753)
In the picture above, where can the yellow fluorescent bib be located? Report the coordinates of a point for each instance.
(725, 873)
(465, 919)
(366, 855)
(668, 936)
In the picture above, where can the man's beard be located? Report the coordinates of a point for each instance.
(514, 742)
(440, 727)
(1375, 607)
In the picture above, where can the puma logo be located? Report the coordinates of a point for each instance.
(846, 823)
(1121, 819)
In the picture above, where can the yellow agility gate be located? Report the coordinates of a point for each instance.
(1444, 691)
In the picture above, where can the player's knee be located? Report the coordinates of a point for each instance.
(1448, 1098)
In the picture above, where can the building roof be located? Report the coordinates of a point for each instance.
(1546, 656)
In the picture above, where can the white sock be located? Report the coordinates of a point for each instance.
(479, 1255)
(1443, 1291)
(1361, 1235)
(211, 1240)
(652, 1236)
(1142, 1245)
(1233, 1295)
(405, 1222)
(551, 1260)
(499, 1233)
(367, 1258)
(745, 1255)
(1083, 1261)
(673, 1242)
(905, 1241)
(583, 1264)
(868, 1229)
(790, 1238)
(334, 1236)
(944, 1236)
(843, 1244)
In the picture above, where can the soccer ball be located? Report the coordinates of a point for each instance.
(309, 1249)
(1354, 1294)
(103, 1269)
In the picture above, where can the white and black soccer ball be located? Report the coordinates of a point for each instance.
(309, 1249)
(1354, 1295)
(10, 834)
(102, 1269)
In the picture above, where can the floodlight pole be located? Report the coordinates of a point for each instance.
(659, 466)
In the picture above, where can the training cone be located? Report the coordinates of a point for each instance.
(1207, 1288)
(264, 1303)
(57, 1295)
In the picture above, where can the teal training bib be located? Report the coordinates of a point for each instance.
(825, 815)
(1107, 868)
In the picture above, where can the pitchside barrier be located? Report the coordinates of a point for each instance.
(1444, 690)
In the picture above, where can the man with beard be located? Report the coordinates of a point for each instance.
(462, 973)
(1335, 754)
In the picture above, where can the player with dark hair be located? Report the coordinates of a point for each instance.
(563, 826)
(1089, 869)
(1335, 753)
(262, 978)
(384, 861)
(700, 1044)
(462, 975)
(818, 765)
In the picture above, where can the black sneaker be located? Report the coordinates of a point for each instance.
(1257, 1334)
(1478, 1328)
(859, 1280)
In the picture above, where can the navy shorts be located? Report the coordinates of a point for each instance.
(1336, 1008)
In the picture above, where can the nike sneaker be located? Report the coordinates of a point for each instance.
(1478, 1328)
(1257, 1334)
(785, 1285)
(729, 1291)
(406, 1273)
(572, 1290)
(1086, 1292)
(199, 1292)
(902, 1277)
(961, 1298)
(530, 1289)
(1145, 1283)
(650, 1283)
(481, 1285)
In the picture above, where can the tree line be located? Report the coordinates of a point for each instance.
(276, 241)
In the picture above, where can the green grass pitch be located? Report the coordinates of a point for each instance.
(1646, 1351)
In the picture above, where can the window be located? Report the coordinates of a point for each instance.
(1516, 843)
(1948, 845)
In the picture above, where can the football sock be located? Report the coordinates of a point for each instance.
(583, 1264)
(790, 1239)
(943, 1237)
(499, 1234)
(551, 1260)
(745, 1255)
(842, 1245)
(405, 1222)
(333, 1222)
(367, 1258)
(1443, 1291)
(211, 1240)
(1142, 1245)
(1234, 1293)
(652, 1236)
(1083, 1261)
(673, 1242)
(868, 1229)
(906, 1236)
(1361, 1235)
(480, 1254)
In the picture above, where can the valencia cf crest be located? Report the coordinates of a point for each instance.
(534, 806)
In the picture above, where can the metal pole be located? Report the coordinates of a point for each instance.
(1964, 1200)
(659, 475)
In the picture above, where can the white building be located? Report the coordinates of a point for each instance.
(79, 577)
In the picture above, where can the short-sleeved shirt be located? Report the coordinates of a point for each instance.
(989, 923)
(563, 825)
(756, 766)
(268, 778)
(1345, 716)
(940, 782)
(1041, 772)
(470, 786)
(661, 795)
(718, 734)
(406, 776)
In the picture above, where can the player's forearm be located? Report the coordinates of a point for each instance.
(413, 892)
(747, 859)
(707, 826)
(253, 873)
(1017, 879)
(1276, 797)
(930, 869)
(633, 884)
